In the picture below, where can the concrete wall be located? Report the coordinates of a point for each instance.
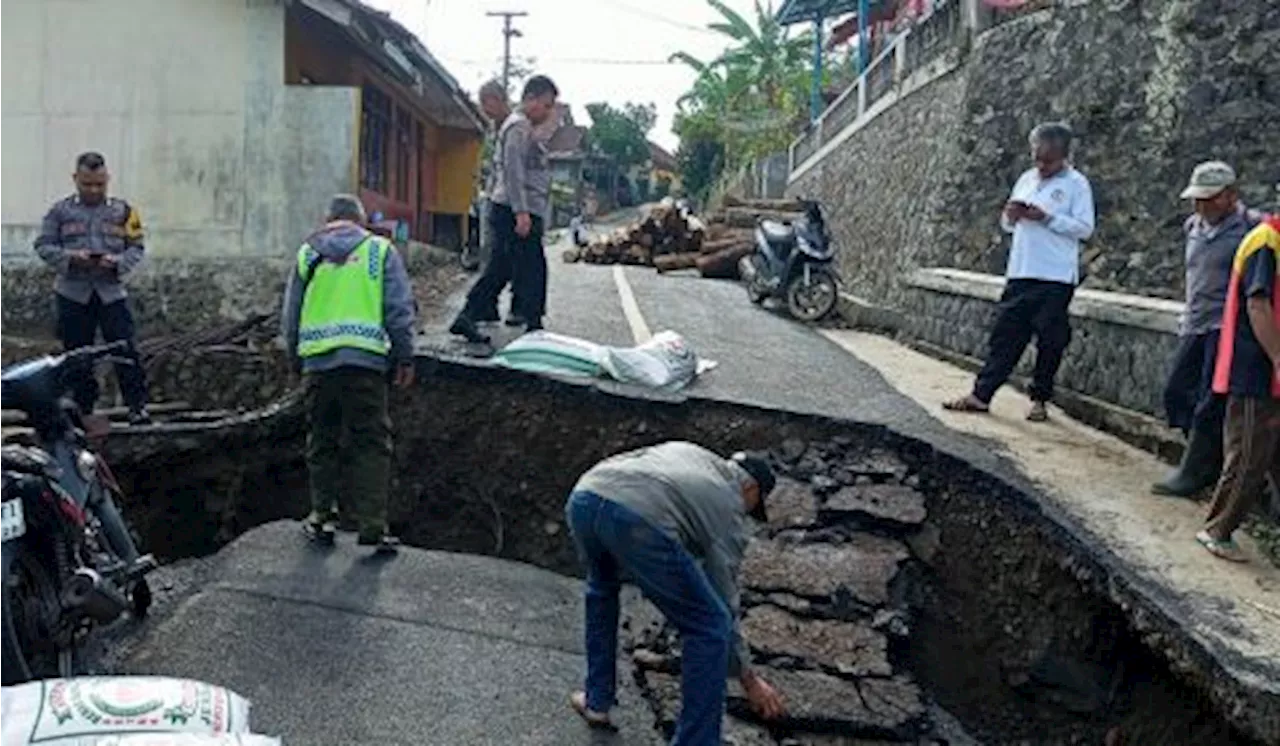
(229, 167)
(1151, 87)
(199, 131)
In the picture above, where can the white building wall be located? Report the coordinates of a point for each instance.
(186, 99)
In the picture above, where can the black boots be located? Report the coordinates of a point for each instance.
(1200, 466)
(464, 327)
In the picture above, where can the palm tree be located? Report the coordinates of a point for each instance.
(755, 89)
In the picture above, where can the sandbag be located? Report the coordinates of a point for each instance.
(547, 352)
(83, 710)
(664, 362)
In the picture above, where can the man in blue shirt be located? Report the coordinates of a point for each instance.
(1213, 232)
(1050, 213)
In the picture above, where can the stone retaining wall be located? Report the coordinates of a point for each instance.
(1112, 376)
(1120, 347)
(1151, 87)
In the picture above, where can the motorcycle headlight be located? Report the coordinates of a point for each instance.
(87, 466)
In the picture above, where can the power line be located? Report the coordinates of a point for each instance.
(573, 60)
(642, 13)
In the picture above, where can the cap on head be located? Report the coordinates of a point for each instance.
(1208, 180)
(762, 473)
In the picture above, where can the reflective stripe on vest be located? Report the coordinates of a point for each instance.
(1265, 237)
(342, 307)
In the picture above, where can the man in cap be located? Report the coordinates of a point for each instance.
(1050, 213)
(1213, 232)
(654, 514)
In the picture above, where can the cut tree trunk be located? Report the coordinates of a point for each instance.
(673, 262)
(713, 247)
(722, 265)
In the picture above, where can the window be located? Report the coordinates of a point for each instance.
(375, 133)
(404, 125)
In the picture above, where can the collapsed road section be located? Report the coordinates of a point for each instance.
(894, 584)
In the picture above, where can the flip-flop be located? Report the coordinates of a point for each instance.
(1224, 549)
(593, 719)
(965, 404)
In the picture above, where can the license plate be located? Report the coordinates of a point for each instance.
(12, 523)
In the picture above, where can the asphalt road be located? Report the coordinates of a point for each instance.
(445, 649)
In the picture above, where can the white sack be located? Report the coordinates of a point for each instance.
(664, 362)
(79, 711)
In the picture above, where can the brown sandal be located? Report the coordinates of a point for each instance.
(966, 404)
(593, 719)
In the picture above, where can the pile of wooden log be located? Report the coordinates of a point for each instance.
(664, 230)
(670, 240)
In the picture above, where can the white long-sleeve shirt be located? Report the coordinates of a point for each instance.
(1050, 249)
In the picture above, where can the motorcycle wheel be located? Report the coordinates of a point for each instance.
(32, 614)
(813, 301)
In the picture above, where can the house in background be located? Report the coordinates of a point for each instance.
(663, 170)
(231, 123)
(577, 174)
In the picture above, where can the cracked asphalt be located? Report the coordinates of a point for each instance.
(450, 649)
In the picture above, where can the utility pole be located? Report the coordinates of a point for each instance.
(507, 33)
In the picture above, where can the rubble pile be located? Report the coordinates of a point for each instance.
(238, 366)
(821, 611)
(670, 239)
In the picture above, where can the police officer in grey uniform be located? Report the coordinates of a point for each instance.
(93, 242)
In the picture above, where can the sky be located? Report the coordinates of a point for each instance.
(595, 50)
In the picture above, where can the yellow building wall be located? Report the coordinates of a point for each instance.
(457, 165)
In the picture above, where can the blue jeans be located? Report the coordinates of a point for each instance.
(613, 539)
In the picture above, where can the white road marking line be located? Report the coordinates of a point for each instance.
(630, 309)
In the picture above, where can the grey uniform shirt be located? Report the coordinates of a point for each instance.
(695, 496)
(1210, 251)
(112, 227)
(523, 176)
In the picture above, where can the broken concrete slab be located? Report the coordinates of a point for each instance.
(864, 567)
(878, 465)
(849, 648)
(792, 505)
(871, 707)
(891, 506)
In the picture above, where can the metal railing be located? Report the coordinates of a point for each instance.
(907, 53)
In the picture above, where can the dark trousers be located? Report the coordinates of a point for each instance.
(1027, 308)
(78, 325)
(1189, 401)
(349, 446)
(611, 540)
(1252, 445)
(515, 259)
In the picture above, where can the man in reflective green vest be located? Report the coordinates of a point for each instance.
(348, 318)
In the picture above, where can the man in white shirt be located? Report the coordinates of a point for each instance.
(1050, 213)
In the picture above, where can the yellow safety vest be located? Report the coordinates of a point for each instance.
(342, 305)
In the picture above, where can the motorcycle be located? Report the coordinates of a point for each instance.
(70, 561)
(794, 262)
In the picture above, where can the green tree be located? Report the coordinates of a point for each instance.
(751, 99)
(622, 134)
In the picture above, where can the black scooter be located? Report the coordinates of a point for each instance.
(794, 262)
(70, 561)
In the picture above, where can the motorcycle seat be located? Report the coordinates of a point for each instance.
(778, 233)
